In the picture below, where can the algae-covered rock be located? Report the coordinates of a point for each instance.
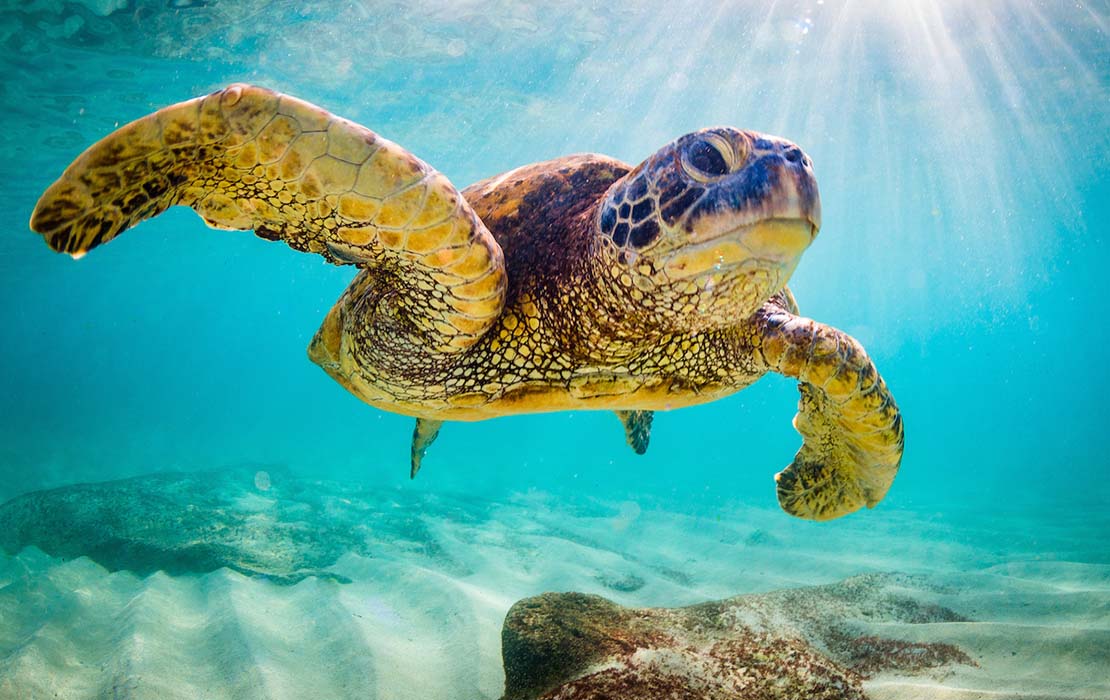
(804, 643)
(256, 523)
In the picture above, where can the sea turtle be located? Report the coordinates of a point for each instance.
(576, 283)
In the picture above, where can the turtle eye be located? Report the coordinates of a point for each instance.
(705, 159)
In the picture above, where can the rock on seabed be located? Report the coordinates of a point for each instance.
(776, 646)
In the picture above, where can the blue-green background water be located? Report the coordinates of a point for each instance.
(963, 154)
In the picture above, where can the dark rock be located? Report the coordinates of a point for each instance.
(761, 538)
(674, 575)
(804, 643)
(870, 655)
(628, 583)
(553, 637)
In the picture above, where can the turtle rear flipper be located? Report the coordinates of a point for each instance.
(423, 435)
(637, 429)
(248, 158)
(852, 428)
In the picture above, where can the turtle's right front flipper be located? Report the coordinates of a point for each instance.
(248, 158)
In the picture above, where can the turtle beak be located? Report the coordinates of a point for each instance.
(813, 214)
(795, 192)
(778, 239)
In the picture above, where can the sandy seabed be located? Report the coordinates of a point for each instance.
(414, 611)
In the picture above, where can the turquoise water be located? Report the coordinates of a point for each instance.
(963, 155)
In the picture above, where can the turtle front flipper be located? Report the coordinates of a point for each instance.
(248, 158)
(851, 426)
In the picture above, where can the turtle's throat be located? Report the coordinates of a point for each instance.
(634, 305)
(599, 316)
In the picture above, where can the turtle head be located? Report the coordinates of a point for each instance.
(710, 226)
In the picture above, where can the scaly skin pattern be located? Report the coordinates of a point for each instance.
(578, 283)
(556, 345)
(248, 158)
(847, 415)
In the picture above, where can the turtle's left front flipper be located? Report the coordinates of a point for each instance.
(852, 428)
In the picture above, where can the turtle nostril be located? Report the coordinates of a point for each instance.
(793, 154)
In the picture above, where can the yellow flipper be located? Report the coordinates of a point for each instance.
(247, 158)
(852, 429)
